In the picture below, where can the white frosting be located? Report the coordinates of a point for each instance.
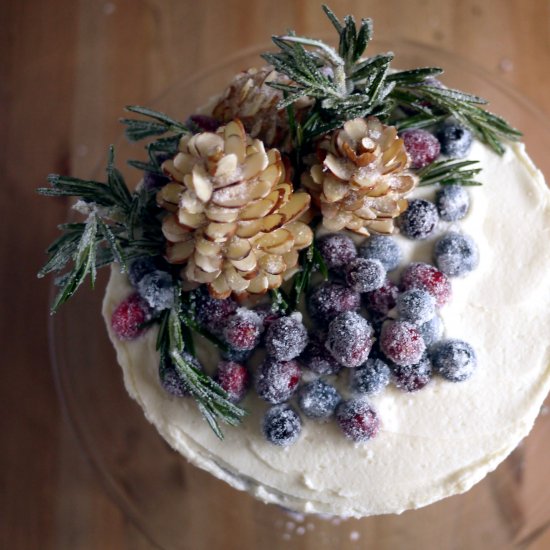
(433, 443)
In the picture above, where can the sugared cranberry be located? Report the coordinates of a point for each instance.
(365, 274)
(203, 123)
(129, 316)
(419, 220)
(267, 314)
(429, 278)
(286, 338)
(276, 381)
(422, 147)
(317, 358)
(358, 420)
(234, 378)
(243, 329)
(402, 343)
(382, 299)
(413, 377)
(330, 299)
(349, 339)
(281, 425)
(211, 313)
(337, 250)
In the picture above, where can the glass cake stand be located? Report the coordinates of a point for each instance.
(176, 505)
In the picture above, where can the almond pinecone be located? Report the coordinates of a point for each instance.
(232, 218)
(250, 99)
(362, 177)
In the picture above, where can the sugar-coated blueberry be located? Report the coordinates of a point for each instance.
(317, 358)
(336, 249)
(141, 267)
(157, 289)
(432, 330)
(456, 140)
(453, 202)
(171, 380)
(281, 425)
(413, 377)
(456, 254)
(454, 359)
(318, 399)
(286, 338)
(416, 306)
(383, 248)
(330, 299)
(365, 275)
(371, 377)
(419, 220)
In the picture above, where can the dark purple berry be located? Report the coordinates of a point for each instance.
(456, 140)
(281, 425)
(203, 123)
(234, 378)
(381, 300)
(419, 220)
(286, 338)
(371, 377)
(317, 358)
(456, 254)
(453, 202)
(211, 313)
(422, 147)
(337, 250)
(358, 420)
(243, 329)
(416, 306)
(427, 277)
(413, 377)
(128, 317)
(330, 299)
(432, 330)
(383, 248)
(402, 343)
(349, 339)
(318, 399)
(157, 289)
(171, 380)
(276, 381)
(267, 313)
(141, 267)
(153, 181)
(455, 360)
(237, 355)
(365, 275)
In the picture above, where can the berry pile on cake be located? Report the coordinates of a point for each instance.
(326, 259)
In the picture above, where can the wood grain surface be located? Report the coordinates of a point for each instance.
(66, 69)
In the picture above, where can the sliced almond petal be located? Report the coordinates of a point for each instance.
(382, 226)
(295, 207)
(356, 128)
(206, 247)
(190, 220)
(169, 195)
(272, 263)
(254, 164)
(340, 168)
(220, 232)
(338, 222)
(274, 281)
(208, 144)
(258, 285)
(179, 253)
(207, 263)
(238, 249)
(317, 174)
(183, 162)
(234, 280)
(235, 140)
(259, 208)
(264, 225)
(291, 259)
(248, 263)
(173, 231)
(226, 166)
(219, 288)
(191, 203)
(334, 190)
(168, 169)
(201, 276)
(272, 174)
(274, 239)
(221, 214)
(302, 233)
(201, 184)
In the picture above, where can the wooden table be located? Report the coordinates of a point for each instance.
(67, 68)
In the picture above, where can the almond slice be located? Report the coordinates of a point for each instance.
(221, 214)
(291, 259)
(226, 167)
(274, 281)
(275, 240)
(168, 169)
(253, 165)
(264, 225)
(340, 168)
(272, 174)
(258, 285)
(246, 264)
(173, 231)
(200, 183)
(295, 207)
(219, 288)
(191, 203)
(234, 280)
(272, 263)
(190, 220)
(235, 140)
(382, 226)
(183, 162)
(333, 189)
(179, 253)
(202, 276)
(220, 232)
(207, 248)
(238, 249)
(169, 195)
(208, 144)
(260, 208)
(356, 128)
(302, 233)
(208, 263)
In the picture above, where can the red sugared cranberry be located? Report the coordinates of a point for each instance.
(276, 381)
(317, 358)
(382, 299)
(243, 329)
(402, 343)
(422, 147)
(234, 379)
(349, 339)
(129, 316)
(330, 299)
(267, 314)
(337, 250)
(429, 278)
(213, 314)
(413, 377)
(357, 419)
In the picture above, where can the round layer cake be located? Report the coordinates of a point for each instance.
(433, 443)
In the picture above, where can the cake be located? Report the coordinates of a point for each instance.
(418, 357)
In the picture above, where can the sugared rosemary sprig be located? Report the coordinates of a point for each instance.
(345, 86)
(311, 260)
(211, 399)
(449, 172)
